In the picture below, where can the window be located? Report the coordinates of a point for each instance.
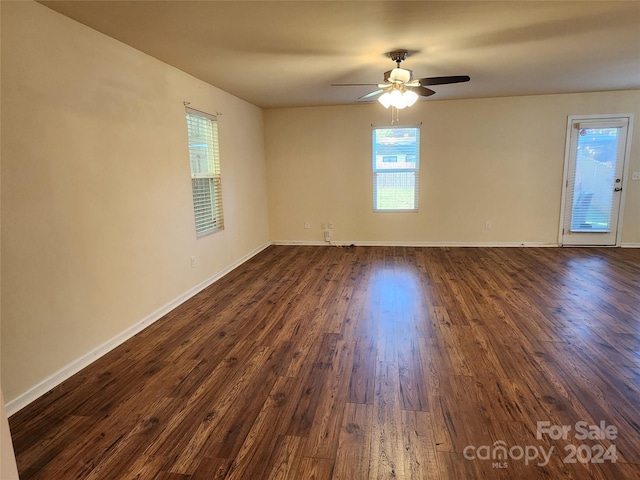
(396, 154)
(206, 184)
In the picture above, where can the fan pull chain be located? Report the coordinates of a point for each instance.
(395, 120)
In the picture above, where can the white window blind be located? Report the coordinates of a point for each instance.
(592, 180)
(206, 183)
(396, 160)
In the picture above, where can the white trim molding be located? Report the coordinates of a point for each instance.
(78, 364)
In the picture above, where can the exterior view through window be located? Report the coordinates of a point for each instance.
(594, 176)
(396, 159)
(206, 183)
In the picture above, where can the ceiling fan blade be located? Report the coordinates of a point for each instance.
(444, 80)
(423, 91)
(352, 84)
(370, 95)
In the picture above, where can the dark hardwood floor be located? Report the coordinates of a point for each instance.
(365, 363)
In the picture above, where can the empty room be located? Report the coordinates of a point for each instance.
(246, 240)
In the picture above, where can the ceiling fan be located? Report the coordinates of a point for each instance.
(399, 89)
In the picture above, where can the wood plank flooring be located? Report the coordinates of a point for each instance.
(362, 363)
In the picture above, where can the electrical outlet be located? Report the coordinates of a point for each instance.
(307, 225)
(327, 236)
(330, 224)
(635, 176)
(193, 262)
(487, 225)
(322, 226)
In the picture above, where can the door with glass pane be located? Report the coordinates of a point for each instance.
(594, 180)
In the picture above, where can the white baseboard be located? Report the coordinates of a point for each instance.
(367, 243)
(74, 367)
(630, 245)
(302, 242)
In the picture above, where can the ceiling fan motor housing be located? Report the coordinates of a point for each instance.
(398, 75)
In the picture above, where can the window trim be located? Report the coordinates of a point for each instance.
(377, 171)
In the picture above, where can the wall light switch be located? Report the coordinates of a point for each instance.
(635, 176)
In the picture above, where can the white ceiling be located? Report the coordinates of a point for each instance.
(288, 53)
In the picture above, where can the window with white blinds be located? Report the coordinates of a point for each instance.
(593, 174)
(206, 183)
(396, 160)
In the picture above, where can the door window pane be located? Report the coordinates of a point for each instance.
(594, 179)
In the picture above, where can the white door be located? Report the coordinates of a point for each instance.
(593, 188)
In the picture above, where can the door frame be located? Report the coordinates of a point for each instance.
(625, 168)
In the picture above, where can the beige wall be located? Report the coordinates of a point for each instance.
(497, 159)
(8, 467)
(97, 219)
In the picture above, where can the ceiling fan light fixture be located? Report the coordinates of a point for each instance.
(410, 97)
(385, 99)
(398, 98)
